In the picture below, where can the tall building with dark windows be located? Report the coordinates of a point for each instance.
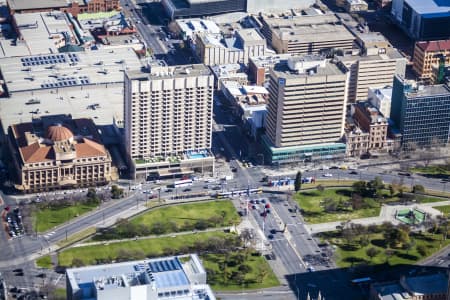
(421, 113)
(199, 8)
(423, 20)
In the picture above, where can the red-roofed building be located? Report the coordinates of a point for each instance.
(56, 152)
(427, 54)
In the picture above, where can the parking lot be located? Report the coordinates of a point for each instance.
(13, 224)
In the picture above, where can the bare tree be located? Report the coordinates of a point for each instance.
(247, 236)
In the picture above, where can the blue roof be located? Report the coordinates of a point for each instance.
(430, 6)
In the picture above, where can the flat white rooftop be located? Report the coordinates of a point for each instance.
(52, 71)
(38, 30)
(166, 277)
(65, 87)
(36, 4)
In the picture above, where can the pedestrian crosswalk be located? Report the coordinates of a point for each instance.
(48, 235)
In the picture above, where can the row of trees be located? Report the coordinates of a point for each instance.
(127, 229)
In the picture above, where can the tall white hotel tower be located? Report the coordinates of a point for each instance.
(168, 120)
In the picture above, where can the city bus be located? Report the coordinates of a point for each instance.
(182, 183)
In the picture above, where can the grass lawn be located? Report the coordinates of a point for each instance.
(310, 202)
(60, 293)
(444, 209)
(44, 262)
(433, 170)
(148, 247)
(77, 237)
(427, 199)
(259, 276)
(48, 218)
(224, 211)
(348, 255)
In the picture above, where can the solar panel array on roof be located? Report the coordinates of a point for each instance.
(165, 265)
(67, 81)
(49, 59)
(175, 278)
(73, 57)
(139, 267)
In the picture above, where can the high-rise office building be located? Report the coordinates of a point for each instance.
(421, 113)
(306, 34)
(372, 70)
(422, 20)
(306, 110)
(168, 115)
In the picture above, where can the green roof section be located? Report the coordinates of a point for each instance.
(70, 48)
(98, 15)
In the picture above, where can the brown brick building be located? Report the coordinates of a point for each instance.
(427, 54)
(71, 6)
(56, 152)
(370, 120)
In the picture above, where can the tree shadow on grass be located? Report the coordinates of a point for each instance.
(309, 194)
(349, 247)
(407, 256)
(424, 238)
(355, 260)
(312, 214)
(379, 243)
(342, 192)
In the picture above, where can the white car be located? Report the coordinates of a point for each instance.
(327, 175)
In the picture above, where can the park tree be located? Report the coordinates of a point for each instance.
(320, 188)
(396, 237)
(356, 201)
(262, 273)
(392, 189)
(348, 234)
(443, 223)
(372, 252)
(247, 236)
(418, 189)
(92, 196)
(422, 249)
(330, 205)
(77, 262)
(388, 253)
(375, 187)
(360, 187)
(298, 181)
(408, 246)
(116, 192)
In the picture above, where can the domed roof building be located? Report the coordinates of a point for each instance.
(58, 133)
(56, 152)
